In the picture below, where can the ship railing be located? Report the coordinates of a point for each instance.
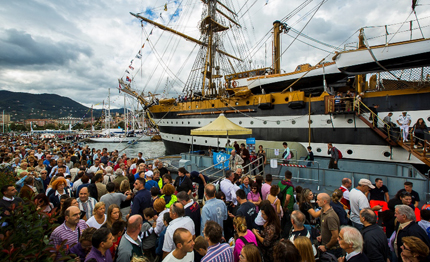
(377, 122)
(204, 171)
(344, 106)
(254, 167)
(306, 163)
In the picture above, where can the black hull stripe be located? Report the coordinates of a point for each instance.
(359, 136)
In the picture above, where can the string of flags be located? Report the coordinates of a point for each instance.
(139, 54)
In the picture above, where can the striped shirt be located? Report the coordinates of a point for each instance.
(87, 206)
(219, 253)
(62, 232)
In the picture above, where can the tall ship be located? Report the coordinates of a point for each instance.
(301, 106)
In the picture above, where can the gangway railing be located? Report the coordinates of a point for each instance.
(256, 167)
(304, 179)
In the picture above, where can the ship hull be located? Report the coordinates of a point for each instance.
(283, 123)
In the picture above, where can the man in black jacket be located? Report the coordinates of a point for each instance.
(375, 245)
(407, 226)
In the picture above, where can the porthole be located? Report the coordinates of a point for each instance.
(293, 122)
(176, 122)
(206, 141)
(286, 99)
(319, 150)
(179, 138)
(310, 121)
(350, 121)
(213, 105)
(265, 122)
(188, 122)
(273, 100)
(387, 154)
(189, 107)
(278, 122)
(197, 106)
(237, 103)
(349, 152)
(171, 122)
(247, 102)
(240, 122)
(219, 142)
(194, 140)
(199, 122)
(329, 121)
(226, 104)
(188, 139)
(182, 122)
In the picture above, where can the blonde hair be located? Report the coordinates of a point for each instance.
(98, 206)
(125, 186)
(304, 245)
(240, 223)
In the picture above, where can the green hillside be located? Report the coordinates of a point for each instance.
(23, 106)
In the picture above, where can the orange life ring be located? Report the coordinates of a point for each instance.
(226, 84)
(234, 84)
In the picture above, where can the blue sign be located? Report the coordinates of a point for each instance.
(250, 141)
(218, 158)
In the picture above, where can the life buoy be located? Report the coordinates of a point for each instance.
(234, 84)
(226, 84)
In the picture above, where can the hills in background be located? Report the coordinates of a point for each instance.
(22, 106)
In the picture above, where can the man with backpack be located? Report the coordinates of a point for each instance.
(286, 195)
(335, 156)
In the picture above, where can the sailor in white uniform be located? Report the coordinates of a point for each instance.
(404, 121)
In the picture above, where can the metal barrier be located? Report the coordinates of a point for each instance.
(306, 164)
(270, 154)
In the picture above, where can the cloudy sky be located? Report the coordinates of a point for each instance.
(80, 48)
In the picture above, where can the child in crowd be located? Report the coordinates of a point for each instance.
(200, 248)
(148, 236)
(159, 247)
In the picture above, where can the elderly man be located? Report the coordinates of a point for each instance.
(130, 242)
(184, 243)
(359, 201)
(109, 176)
(86, 203)
(407, 227)
(228, 188)
(234, 160)
(375, 241)
(329, 226)
(70, 230)
(214, 209)
(179, 220)
(351, 241)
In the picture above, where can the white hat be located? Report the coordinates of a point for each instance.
(366, 182)
(149, 173)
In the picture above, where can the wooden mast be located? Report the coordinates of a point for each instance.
(277, 47)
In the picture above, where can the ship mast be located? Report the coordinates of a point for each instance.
(209, 40)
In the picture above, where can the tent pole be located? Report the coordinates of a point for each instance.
(217, 140)
(192, 144)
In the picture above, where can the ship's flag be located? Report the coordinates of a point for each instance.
(132, 68)
(127, 72)
(139, 53)
(138, 56)
(128, 79)
(143, 45)
(165, 7)
(131, 62)
(151, 32)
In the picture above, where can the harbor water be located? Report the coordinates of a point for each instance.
(149, 149)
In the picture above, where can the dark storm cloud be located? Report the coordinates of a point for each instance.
(21, 49)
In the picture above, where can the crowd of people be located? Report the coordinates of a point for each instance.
(111, 207)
